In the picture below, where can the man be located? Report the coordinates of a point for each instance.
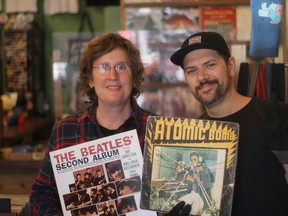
(78, 200)
(126, 205)
(93, 195)
(128, 186)
(88, 178)
(115, 171)
(83, 199)
(260, 186)
(78, 182)
(199, 174)
(106, 211)
(112, 210)
(111, 191)
(100, 178)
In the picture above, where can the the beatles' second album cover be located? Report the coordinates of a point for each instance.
(192, 160)
(100, 177)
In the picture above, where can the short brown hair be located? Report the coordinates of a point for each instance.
(101, 45)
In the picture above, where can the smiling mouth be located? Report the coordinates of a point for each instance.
(204, 89)
(114, 87)
(206, 85)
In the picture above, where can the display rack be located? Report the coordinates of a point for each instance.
(158, 28)
(175, 3)
(21, 56)
(16, 55)
(179, 3)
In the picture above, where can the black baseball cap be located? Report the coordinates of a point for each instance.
(201, 40)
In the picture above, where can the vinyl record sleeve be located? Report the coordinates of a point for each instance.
(192, 160)
(100, 176)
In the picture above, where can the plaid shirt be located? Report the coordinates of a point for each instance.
(73, 130)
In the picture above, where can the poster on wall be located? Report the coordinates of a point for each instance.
(222, 20)
(75, 50)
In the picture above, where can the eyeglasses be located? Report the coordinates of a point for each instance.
(105, 68)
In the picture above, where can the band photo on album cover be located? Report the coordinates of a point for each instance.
(102, 191)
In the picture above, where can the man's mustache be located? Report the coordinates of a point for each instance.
(206, 82)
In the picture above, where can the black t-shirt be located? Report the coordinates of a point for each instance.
(129, 124)
(107, 132)
(260, 185)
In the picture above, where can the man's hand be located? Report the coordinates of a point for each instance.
(180, 209)
(189, 177)
(199, 168)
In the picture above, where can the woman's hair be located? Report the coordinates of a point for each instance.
(101, 45)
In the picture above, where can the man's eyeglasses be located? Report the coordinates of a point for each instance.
(105, 68)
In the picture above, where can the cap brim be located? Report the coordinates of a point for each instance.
(178, 57)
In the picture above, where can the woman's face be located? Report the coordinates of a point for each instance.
(112, 87)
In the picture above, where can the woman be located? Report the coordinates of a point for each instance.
(111, 73)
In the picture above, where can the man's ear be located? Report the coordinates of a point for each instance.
(231, 66)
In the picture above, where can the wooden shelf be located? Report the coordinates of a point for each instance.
(178, 44)
(176, 3)
(16, 177)
(19, 167)
(181, 3)
(31, 127)
(151, 86)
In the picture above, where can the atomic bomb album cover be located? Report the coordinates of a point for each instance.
(192, 160)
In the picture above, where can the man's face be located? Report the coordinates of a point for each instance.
(117, 175)
(72, 189)
(125, 190)
(194, 160)
(208, 76)
(93, 194)
(178, 168)
(128, 208)
(81, 195)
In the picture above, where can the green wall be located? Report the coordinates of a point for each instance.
(103, 19)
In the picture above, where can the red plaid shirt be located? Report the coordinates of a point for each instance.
(73, 130)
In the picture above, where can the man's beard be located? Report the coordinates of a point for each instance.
(219, 93)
